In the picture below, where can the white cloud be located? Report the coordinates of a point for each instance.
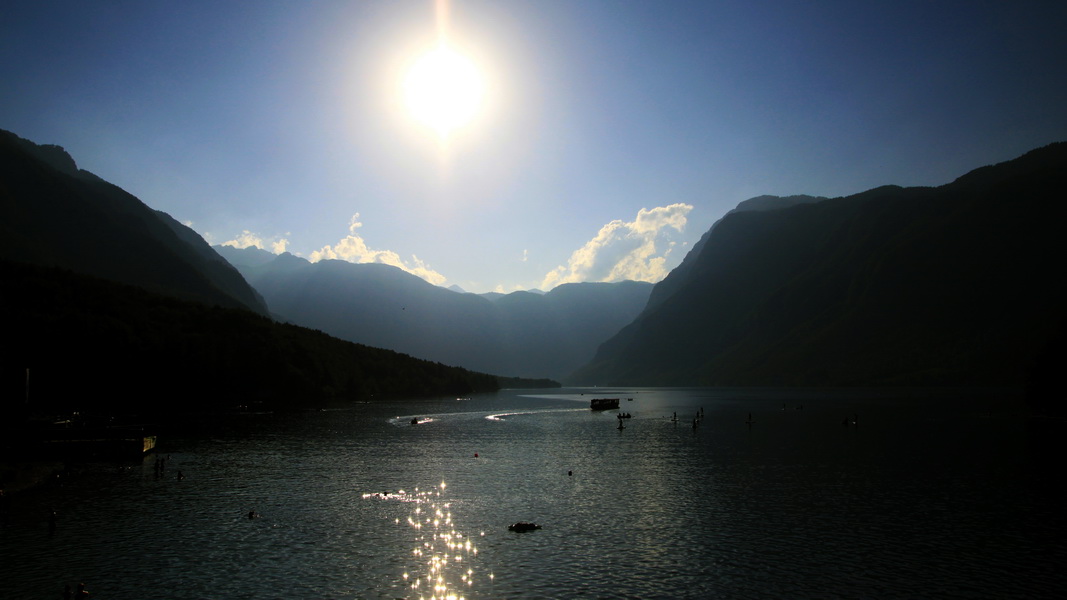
(248, 239)
(354, 249)
(623, 251)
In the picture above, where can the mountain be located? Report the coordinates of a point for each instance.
(960, 284)
(522, 334)
(98, 346)
(54, 214)
(666, 288)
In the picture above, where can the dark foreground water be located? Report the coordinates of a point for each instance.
(923, 497)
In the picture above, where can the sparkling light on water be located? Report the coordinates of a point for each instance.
(442, 557)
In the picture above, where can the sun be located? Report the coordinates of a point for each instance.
(443, 90)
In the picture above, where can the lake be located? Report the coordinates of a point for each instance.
(771, 494)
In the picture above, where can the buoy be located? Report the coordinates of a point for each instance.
(475, 455)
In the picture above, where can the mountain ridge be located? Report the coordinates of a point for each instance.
(55, 214)
(102, 347)
(525, 334)
(851, 290)
(945, 285)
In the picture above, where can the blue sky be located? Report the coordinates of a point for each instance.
(613, 135)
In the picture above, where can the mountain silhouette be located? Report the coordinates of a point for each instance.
(119, 309)
(53, 214)
(666, 288)
(960, 284)
(100, 347)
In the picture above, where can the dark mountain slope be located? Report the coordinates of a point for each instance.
(53, 214)
(956, 285)
(677, 277)
(94, 345)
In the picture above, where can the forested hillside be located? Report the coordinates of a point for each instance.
(94, 345)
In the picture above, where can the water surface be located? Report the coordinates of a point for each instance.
(770, 494)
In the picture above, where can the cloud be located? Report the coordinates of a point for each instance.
(500, 289)
(248, 239)
(622, 251)
(354, 249)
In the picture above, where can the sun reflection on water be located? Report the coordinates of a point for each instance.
(442, 566)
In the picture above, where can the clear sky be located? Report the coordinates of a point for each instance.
(607, 137)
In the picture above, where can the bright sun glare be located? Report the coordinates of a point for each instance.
(443, 90)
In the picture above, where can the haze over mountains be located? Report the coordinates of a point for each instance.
(520, 334)
(956, 285)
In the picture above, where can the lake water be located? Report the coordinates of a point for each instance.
(773, 494)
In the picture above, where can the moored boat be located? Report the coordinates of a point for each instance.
(603, 403)
(131, 442)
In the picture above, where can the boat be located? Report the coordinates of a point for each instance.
(130, 442)
(74, 437)
(603, 403)
(523, 526)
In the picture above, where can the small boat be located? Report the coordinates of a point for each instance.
(523, 526)
(603, 403)
(414, 420)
